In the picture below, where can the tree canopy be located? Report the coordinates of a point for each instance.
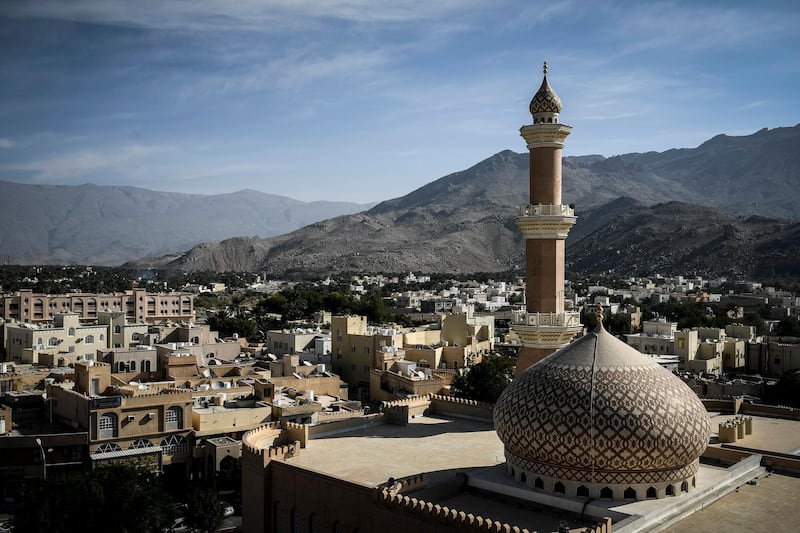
(485, 381)
(116, 498)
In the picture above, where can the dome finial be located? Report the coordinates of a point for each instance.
(544, 68)
(599, 313)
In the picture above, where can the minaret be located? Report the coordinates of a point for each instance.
(545, 223)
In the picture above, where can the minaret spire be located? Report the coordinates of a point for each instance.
(544, 223)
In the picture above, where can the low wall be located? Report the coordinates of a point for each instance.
(342, 426)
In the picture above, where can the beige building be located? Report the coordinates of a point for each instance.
(151, 423)
(67, 340)
(358, 348)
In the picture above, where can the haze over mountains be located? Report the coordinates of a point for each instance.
(464, 222)
(102, 225)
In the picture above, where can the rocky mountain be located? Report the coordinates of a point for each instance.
(463, 222)
(102, 225)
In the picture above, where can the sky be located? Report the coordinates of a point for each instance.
(366, 100)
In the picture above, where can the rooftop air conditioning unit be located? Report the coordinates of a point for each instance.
(130, 418)
(151, 415)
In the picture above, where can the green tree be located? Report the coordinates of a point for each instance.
(109, 498)
(485, 381)
(204, 511)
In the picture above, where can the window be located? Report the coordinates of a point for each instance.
(538, 483)
(174, 418)
(140, 443)
(652, 493)
(684, 487)
(89, 339)
(71, 332)
(117, 329)
(107, 426)
(607, 493)
(523, 477)
(145, 366)
(582, 491)
(174, 444)
(629, 494)
(132, 366)
(670, 490)
(558, 488)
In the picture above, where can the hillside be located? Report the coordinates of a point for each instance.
(464, 223)
(105, 225)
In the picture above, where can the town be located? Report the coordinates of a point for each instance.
(142, 376)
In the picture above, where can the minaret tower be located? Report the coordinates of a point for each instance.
(545, 223)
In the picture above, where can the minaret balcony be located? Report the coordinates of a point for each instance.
(564, 319)
(542, 221)
(546, 330)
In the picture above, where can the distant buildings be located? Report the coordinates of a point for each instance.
(137, 305)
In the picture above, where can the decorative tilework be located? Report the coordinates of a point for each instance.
(599, 411)
(545, 100)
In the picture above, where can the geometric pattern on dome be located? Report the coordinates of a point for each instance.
(545, 100)
(616, 419)
(620, 477)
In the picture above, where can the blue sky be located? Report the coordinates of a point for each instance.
(366, 100)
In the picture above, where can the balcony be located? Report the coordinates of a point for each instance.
(567, 319)
(545, 210)
(545, 221)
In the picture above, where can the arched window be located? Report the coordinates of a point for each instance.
(107, 425)
(538, 483)
(684, 487)
(140, 443)
(652, 493)
(146, 366)
(71, 332)
(132, 366)
(694, 482)
(121, 366)
(52, 341)
(174, 444)
(117, 329)
(102, 337)
(606, 492)
(670, 490)
(513, 473)
(174, 418)
(523, 477)
(629, 494)
(582, 491)
(108, 447)
(89, 339)
(558, 488)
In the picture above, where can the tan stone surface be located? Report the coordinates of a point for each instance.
(770, 434)
(437, 446)
(771, 505)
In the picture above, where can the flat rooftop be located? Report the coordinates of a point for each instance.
(437, 446)
(769, 434)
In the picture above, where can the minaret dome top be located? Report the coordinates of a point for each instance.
(545, 100)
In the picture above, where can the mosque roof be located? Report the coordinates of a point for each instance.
(600, 411)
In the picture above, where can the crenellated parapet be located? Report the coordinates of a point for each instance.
(442, 514)
(402, 485)
(462, 401)
(411, 401)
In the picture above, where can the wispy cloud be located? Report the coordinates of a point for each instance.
(6, 143)
(64, 168)
(257, 15)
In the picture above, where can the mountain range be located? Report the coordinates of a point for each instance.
(726, 207)
(107, 225)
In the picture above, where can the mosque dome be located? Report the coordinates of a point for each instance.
(599, 414)
(545, 100)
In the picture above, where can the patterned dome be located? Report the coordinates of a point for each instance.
(598, 411)
(545, 100)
